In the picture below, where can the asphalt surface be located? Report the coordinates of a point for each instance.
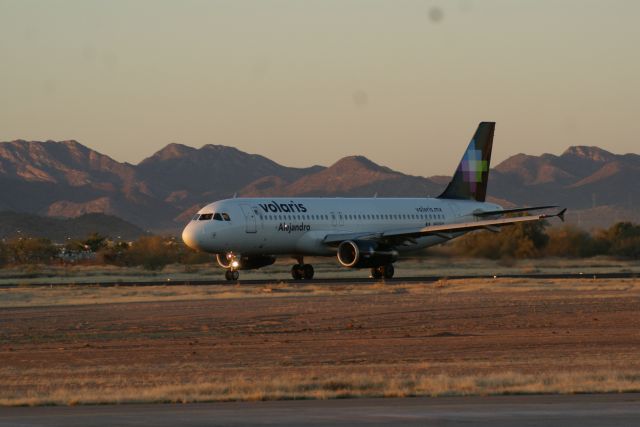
(495, 411)
(338, 281)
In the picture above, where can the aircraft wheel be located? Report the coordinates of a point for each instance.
(231, 274)
(376, 272)
(387, 271)
(307, 271)
(296, 272)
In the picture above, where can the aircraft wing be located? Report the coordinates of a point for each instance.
(509, 211)
(448, 231)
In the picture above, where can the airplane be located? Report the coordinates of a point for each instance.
(249, 233)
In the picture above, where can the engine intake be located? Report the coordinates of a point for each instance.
(363, 253)
(251, 262)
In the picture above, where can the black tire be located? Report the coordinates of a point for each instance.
(307, 271)
(227, 275)
(387, 271)
(235, 275)
(376, 273)
(296, 272)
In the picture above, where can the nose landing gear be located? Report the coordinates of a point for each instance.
(231, 263)
(231, 274)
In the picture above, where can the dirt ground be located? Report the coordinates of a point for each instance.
(507, 331)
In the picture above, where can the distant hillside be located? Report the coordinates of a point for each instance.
(350, 176)
(13, 224)
(599, 187)
(184, 176)
(67, 179)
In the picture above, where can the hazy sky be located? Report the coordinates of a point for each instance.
(307, 82)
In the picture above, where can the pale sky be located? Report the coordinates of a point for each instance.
(307, 82)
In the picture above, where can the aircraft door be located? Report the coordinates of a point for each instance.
(251, 218)
(334, 219)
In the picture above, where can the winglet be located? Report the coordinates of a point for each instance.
(561, 214)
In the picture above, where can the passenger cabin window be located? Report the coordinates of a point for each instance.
(205, 217)
(217, 217)
(225, 216)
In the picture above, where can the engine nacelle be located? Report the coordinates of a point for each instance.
(364, 253)
(251, 262)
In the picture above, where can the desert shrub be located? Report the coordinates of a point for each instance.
(525, 240)
(4, 254)
(569, 241)
(31, 250)
(151, 252)
(188, 256)
(114, 253)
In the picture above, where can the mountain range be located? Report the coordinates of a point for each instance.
(61, 230)
(67, 179)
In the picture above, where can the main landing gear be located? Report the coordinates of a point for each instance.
(383, 271)
(301, 270)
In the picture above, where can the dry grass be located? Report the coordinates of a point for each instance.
(281, 341)
(34, 296)
(314, 383)
(324, 267)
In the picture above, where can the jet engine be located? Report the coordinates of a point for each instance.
(250, 262)
(364, 253)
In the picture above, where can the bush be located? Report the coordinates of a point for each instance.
(524, 240)
(31, 250)
(4, 254)
(531, 240)
(569, 241)
(152, 253)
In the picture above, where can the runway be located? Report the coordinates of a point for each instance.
(334, 281)
(496, 411)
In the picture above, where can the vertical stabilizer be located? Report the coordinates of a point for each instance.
(471, 176)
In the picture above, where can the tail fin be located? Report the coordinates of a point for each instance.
(472, 174)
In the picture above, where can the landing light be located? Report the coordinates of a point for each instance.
(235, 264)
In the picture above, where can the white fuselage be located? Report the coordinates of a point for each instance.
(297, 226)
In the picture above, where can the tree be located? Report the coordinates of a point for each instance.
(622, 239)
(94, 242)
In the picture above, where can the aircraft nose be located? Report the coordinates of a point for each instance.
(190, 236)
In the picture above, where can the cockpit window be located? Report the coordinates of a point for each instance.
(205, 217)
(195, 217)
(217, 217)
(225, 216)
